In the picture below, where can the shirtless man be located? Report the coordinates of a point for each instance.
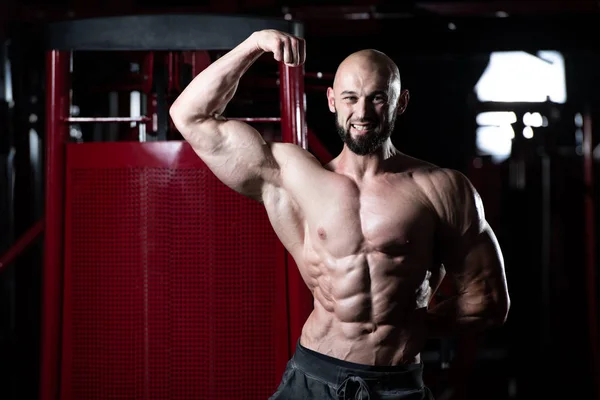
(373, 232)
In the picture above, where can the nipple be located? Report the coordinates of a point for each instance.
(321, 233)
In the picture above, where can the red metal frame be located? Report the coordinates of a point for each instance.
(21, 244)
(293, 126)
(172, 155)
(293, 130)
(317, 148)
(57, 111)
(298, 304)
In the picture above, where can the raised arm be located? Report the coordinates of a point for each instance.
(233, 150)
(472, 258)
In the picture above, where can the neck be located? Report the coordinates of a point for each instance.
(359, 167)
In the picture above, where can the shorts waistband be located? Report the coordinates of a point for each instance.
(335, 371)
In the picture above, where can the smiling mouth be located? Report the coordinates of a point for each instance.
(362, 128)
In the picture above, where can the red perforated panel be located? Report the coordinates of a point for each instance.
(174, 284)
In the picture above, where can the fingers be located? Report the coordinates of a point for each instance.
(288, 49)
(289, 54)
(295, 51)
(279, 51)
(301, 51)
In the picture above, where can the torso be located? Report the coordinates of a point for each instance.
(364, 250)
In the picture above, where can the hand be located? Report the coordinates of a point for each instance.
(291, 50)
(417, 333)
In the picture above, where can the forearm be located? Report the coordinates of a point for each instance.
(455, 317)
(210, 91)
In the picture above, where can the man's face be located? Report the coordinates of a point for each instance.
(364, 101)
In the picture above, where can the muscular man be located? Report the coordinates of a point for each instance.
(373, 232)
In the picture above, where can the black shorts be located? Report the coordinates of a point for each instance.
(311, 375)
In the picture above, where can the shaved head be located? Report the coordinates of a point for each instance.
(366, 97)
(373, 60)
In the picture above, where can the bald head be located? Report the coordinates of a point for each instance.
(370, 60)
(366, 98)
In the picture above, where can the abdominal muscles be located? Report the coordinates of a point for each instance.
(361, 307)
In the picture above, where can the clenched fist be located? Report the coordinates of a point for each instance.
(286, 48)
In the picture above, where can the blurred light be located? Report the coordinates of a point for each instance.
(517, 76)
(451, 26)
(319, 75)
(8, 89)
(358, 15)
(528, 132)
(496, 118)
(544, 121)
(556, 75)
(578, 120)
(287, 17)
(533, 119)
(135, 106)
(495, 141)
(501, 14)
(579, 136)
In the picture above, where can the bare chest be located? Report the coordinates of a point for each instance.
(344, 219)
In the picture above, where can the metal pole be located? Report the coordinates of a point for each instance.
(293, 130)
(546, 237)
(293, 125)
(590, 246)
(57, 133)
(21, 244)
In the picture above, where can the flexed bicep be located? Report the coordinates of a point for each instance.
(233, 150)
(237, 154)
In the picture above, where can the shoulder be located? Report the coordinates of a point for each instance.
(452, 196)
(443, 182)
(286, 153)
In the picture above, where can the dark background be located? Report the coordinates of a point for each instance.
(535, 200)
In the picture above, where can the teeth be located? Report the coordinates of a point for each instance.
(360, 128)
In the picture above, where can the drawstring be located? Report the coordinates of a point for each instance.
(353, 388)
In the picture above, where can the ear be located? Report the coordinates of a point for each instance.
(331, 99)
(402, 101)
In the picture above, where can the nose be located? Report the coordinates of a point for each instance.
(363, 109)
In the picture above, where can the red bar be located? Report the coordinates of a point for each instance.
(293, 130)
(57, 133)
(21, 244)
(108, 119)
(590, 245)
(293, 126)
(317, 148)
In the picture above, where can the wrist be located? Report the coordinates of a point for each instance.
(253, 43)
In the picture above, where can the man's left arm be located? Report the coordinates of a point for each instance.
(472, 259)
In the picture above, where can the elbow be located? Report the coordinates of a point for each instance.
(178, 117)
(186, 124)
(499, 311)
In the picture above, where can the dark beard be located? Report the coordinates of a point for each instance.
(365, 144)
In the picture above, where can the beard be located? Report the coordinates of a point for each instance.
(365, 144)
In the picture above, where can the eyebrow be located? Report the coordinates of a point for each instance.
(382, 92)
